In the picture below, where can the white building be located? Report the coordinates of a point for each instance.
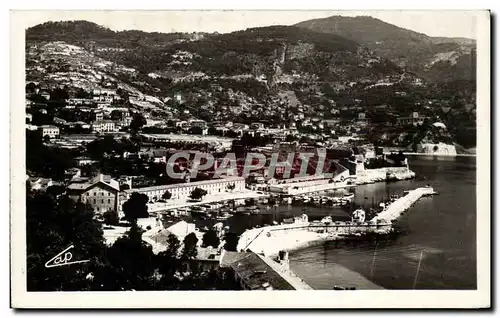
(49, 130)
(183, 190)
(104, 126)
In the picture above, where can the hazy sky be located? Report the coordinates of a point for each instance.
(432, 23)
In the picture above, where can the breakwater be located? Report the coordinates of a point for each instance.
(270, 240)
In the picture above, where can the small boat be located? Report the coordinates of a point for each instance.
(327, 220)
(349, 196)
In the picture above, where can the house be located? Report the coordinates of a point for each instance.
(159, 239)
(40, 183)
(45, 95)
(414, 119)
(104, 126)
(73, 173)
(49, 130)
(257, 126)
(101, 192)
(198, 123)
(99, 116)
(83, 161)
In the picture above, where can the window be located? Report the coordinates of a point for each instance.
(109, 200)
(102, 201)
(94, 201)
(95, 193)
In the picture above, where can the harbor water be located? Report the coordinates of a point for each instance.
(440, 234)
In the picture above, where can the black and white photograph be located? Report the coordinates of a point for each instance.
(196, 152)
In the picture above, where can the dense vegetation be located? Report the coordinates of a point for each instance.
(55, 222)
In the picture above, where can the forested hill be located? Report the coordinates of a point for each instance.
(82, 32)
(254, 51)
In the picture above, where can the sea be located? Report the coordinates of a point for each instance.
(437, 249)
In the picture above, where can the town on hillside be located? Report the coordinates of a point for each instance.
(138, 147)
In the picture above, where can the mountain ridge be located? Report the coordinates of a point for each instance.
(408, 49)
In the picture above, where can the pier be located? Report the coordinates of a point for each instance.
(394, 210)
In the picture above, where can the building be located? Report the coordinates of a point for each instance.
(104, 126)
(183, 190)
(49, 130)
(198, 123)
(101, 192)
(180, 230)
(99, 116)
(41, 183)
(252, 271)
(83, 161)
(414, 119)
(215, 141)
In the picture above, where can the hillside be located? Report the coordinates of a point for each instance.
(279, 75)
(424, 55)
(85, 33)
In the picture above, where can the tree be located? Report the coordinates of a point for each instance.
(167, 195)
(190, 250)
(231, 241)
(53, 225)
(136, 207)
(173, 246)
(138, 121)
(111, 218)
(130, 264)
(197, 194)
(211, 238)
(196, 130)
(168, 262)
(56, 190)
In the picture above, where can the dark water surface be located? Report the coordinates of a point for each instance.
(441, 229)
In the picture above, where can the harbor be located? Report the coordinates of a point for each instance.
(441, 227)
(301, 233)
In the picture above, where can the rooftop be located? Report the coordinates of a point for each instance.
(258, 275)
(187, 184)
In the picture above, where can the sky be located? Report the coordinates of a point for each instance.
(432, 23)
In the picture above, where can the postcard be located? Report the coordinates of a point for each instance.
(250, 159)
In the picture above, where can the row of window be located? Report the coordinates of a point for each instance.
(102, 194)
(102, 201)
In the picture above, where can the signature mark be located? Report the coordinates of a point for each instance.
(63, 259)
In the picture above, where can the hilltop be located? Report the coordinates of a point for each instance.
(427, 56)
